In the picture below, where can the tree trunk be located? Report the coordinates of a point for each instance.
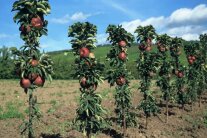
(183, 107)
(124, 123)
(191, 105)
(199, 100)
(89, 134)
(167, 114)
(30, 134)
(146, 123)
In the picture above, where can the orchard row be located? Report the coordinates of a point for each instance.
(178, 83)
(185, 84)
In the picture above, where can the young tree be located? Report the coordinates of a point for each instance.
(179, 71)
(202, 66)
(117, 57)
(147, 63)
(192, 51)
(164, 81)
(32, 66)
(88, 70)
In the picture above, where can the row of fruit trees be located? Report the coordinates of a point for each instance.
(178, 83)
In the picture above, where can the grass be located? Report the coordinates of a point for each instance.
(11, 110)
(195, 122)
(54, 106)
(105, 93)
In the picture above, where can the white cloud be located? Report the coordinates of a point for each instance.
(132, 25)
(186, 23)
(101, 39)
(157, 22)
(189, 16)
(184, 30)
(189, 36)
(78, 16)
(62, 20)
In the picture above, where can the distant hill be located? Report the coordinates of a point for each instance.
(63, 63)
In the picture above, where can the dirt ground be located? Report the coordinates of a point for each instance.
(58, 102)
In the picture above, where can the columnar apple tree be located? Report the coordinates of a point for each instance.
(164, 80)
(147, 66)
(202, 66)
(120, 40)
(32, 66)
(89, 113)
(192, 51)
(178, 71)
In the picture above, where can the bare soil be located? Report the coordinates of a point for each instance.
(58, 102)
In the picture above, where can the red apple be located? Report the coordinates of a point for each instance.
(193, 58)
(34, 62)
(25, 83)
(190, 61)
(39, 81)
(120, 81)
(83, 82)
(37, 22)
(180, 74)
(84, 52)
(189, 58)
(122, 43)
(149, 40)
(122, 56)
(25, 29)
(148, 48)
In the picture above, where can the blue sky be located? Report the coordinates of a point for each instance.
(183, 18)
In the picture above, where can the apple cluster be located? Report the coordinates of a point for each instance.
(84, 84)
(146, 45)
(122, 55)
(36, 23)
(191, 59)
(32, 78)
(84, 52)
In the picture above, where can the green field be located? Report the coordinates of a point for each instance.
(63, 63)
